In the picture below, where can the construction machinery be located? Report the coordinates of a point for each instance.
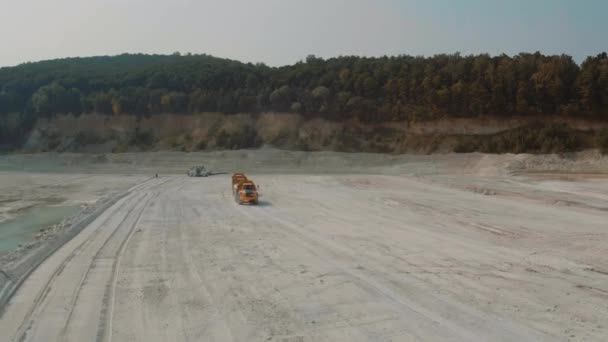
(198, 171)
(244, 190)
(236, 179)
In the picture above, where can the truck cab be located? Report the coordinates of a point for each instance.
(246, 192)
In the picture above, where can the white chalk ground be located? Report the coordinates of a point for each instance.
(441, 255)
(22, 190)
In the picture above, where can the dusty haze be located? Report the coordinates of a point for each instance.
(281, 32)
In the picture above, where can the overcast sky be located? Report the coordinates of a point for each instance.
(279, 32)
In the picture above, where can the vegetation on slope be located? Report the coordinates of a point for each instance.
(401, 88)
(537, 138)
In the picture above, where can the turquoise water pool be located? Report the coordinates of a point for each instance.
(23, 228)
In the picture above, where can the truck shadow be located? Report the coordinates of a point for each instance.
(264, 204)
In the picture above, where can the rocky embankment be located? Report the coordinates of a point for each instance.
(93, 133)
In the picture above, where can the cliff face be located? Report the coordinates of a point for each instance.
(96, 133)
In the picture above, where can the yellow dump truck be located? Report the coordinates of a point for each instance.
(244, 190)
(236, 179)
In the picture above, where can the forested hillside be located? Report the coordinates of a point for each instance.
(401, 88)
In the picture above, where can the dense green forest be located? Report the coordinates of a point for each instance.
(369, 89)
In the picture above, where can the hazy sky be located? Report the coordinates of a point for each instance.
(280, 32)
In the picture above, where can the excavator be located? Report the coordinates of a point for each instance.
(198, 171)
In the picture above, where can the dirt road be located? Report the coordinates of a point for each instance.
(327, 258)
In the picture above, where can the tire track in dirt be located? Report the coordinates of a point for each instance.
(40, 302)
(92, 266)
(29, 319)
(110, 297)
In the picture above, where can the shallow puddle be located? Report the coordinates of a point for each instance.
(23, 228)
